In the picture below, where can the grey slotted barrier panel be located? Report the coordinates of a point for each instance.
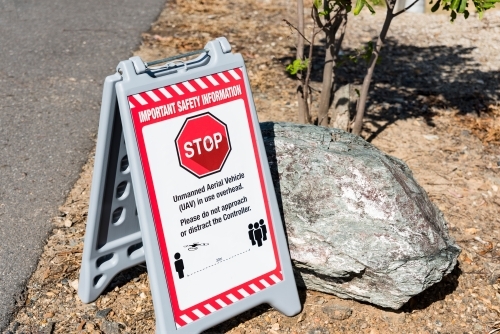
(113, 240)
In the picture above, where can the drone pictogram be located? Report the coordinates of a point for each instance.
(195, 245)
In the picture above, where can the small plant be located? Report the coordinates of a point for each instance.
(330, 18)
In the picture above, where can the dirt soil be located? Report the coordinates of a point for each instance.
(433, 105)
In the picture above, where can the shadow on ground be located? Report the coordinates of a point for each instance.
(409, 81)
(422, 301)
(126, 276)
(435, 293)
(250, 314)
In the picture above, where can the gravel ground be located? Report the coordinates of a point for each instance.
(433, 105)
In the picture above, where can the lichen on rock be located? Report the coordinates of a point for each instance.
(358, 224)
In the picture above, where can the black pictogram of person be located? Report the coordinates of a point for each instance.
(257, 233)
(264, 229)
(250, 234)
(179, 265)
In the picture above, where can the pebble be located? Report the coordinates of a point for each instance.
(337, 311)
(68, 223)
(431, 137)
(74, 284)
(276, 327)
(102, 313)
(48, 315)
(394, 318)
(109, 327)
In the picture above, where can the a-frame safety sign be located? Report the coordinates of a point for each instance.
(181, 181)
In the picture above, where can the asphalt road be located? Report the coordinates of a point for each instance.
(54, 56)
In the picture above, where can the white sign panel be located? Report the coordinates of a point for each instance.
(207, 192)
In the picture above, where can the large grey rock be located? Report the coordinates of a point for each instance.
(359, 226)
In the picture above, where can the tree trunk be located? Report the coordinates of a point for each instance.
(307, 95)
(358, 122)
(330, 56)
(326, 88)
(302, 103)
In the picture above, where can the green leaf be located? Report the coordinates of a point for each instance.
(454, 4)
(324, 13)
(359, 5)
(367, 53)
(370, 8)
(317, 3)
(296, 66)
(357, 92)
(436, 6)
(463, 3)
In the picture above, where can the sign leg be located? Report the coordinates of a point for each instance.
(113, 240)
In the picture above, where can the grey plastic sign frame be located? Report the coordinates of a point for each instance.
(134, 79)
(113, 239)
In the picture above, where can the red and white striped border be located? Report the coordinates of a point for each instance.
(172, 93)
(168, 93)
(227, 298)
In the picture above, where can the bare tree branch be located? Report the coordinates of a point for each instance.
(360, 109)
(315, 17)
(293, 27)
(404, 10)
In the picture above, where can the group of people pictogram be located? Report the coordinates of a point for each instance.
(257, 233)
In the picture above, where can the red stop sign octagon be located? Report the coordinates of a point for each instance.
(203, 145)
